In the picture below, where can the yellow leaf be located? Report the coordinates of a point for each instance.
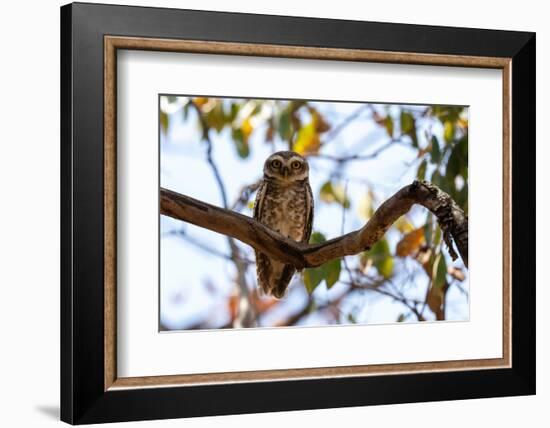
(330, 192)
(200, 101)
(410, 242)
(388, 123)
(308, 140)
(448, 131)
(246, 128)
(365, 206)
(463, 123)
(403, 225)
(385, 267)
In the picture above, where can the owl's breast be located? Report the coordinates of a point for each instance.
(285, 210)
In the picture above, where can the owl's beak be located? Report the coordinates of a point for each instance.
(285, 172)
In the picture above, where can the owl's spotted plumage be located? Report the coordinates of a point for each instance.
(284, 203)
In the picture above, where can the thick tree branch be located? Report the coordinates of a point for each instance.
(453, 222)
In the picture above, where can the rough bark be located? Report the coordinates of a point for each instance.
(452, 220)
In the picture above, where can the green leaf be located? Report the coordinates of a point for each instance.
(317, 238)
(330, 193)
(437, 238)
(421, 173)
(307, 141)
(407, 122)
(215, 118)
(164, 121)
(462, 198)
(235, 107)
(439, 271)
(332, 272)
(458, 161)
(382, 258)
(312, 278)
(388, 123)
(448, 131)
(408, 126)
(241, 143)
(366, 208)
(444, 113)
(329, 272)
(385, 267)
(285, 129)
(454, 165)
(379, 249)
(439, 181)
(436, 151)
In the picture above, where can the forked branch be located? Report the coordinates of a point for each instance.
(452, 220)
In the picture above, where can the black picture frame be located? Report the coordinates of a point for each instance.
(83, 398)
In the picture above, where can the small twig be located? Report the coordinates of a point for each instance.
(244, 195)
(378, 289)
(207, 249)
(340, 127)
(412, 308)
(356, 157)
(457, 284)
(310, 308)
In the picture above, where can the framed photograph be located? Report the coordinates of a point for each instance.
(265, 213)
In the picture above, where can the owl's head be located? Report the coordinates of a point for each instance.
(286, 166)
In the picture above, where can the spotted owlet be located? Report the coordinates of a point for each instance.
(284, 203)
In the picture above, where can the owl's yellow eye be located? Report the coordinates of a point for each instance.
(276, 164)
(296, 165)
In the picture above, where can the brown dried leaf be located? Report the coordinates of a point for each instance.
(456, 273)
(233, 306)
(435, 301)
(410, 243)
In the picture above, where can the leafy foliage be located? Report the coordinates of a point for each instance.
(380, 257)
(334, 192)
(329, 272)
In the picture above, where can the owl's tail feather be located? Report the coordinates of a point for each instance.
(273, 276)
(281, 287)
